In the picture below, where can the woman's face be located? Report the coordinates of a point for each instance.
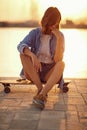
(50, 28)
(55, 26)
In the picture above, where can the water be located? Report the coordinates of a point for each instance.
(75, 56)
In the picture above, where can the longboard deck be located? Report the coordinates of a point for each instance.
(13, 81)
(7, 82)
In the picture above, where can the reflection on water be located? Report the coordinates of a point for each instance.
(75, 53)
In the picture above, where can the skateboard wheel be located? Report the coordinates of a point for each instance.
(65, 89)
(7, 90)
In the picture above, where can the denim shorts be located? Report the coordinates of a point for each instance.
(45, 69)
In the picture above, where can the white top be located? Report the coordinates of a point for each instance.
(43, 53)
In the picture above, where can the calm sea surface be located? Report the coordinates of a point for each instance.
(75, 55)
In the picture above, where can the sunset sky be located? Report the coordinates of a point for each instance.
(21, 10)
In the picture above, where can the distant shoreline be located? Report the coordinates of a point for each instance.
(30, 24)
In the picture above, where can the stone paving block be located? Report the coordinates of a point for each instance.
(55, 125)
(3, 109)
(83, 118)
(72, 94)
(4, 126)
(84, 122)
(30, 107)
(85, 98)
(80, 81)
(16, 109)
(6, 117)
(81, 108)
(20, 129)
(72, 87)
(82, 89)
(51, 120)
(30, 115)
(10, 102)
(75, 126)
(20, 88)
(64, 107)
(23, 124)
(54, 99)
(28, 95)
(72, 91)
(14, 95)
(19, 109)
(74, 100)
(49, 106)
(26, 103)
(72, 116)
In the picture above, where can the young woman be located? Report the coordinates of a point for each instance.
(41, 53)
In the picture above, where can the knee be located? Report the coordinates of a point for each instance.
(22, 56)
(61, 64)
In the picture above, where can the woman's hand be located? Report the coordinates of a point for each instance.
(56, 32)
(34, 59)
(36, 62)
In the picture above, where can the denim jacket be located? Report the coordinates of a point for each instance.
(32, 41)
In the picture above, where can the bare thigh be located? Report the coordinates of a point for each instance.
(59, 65)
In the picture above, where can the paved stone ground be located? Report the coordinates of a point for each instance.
(62, 111)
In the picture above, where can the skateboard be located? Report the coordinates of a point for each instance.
(8, 82)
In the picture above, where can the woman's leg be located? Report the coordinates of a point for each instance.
(53, 76)
(30, 71)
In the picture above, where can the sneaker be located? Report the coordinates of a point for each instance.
(39, 101)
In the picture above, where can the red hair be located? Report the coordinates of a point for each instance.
(51, 16)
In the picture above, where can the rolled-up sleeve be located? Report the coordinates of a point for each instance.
(21, 47)
(26, 42)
